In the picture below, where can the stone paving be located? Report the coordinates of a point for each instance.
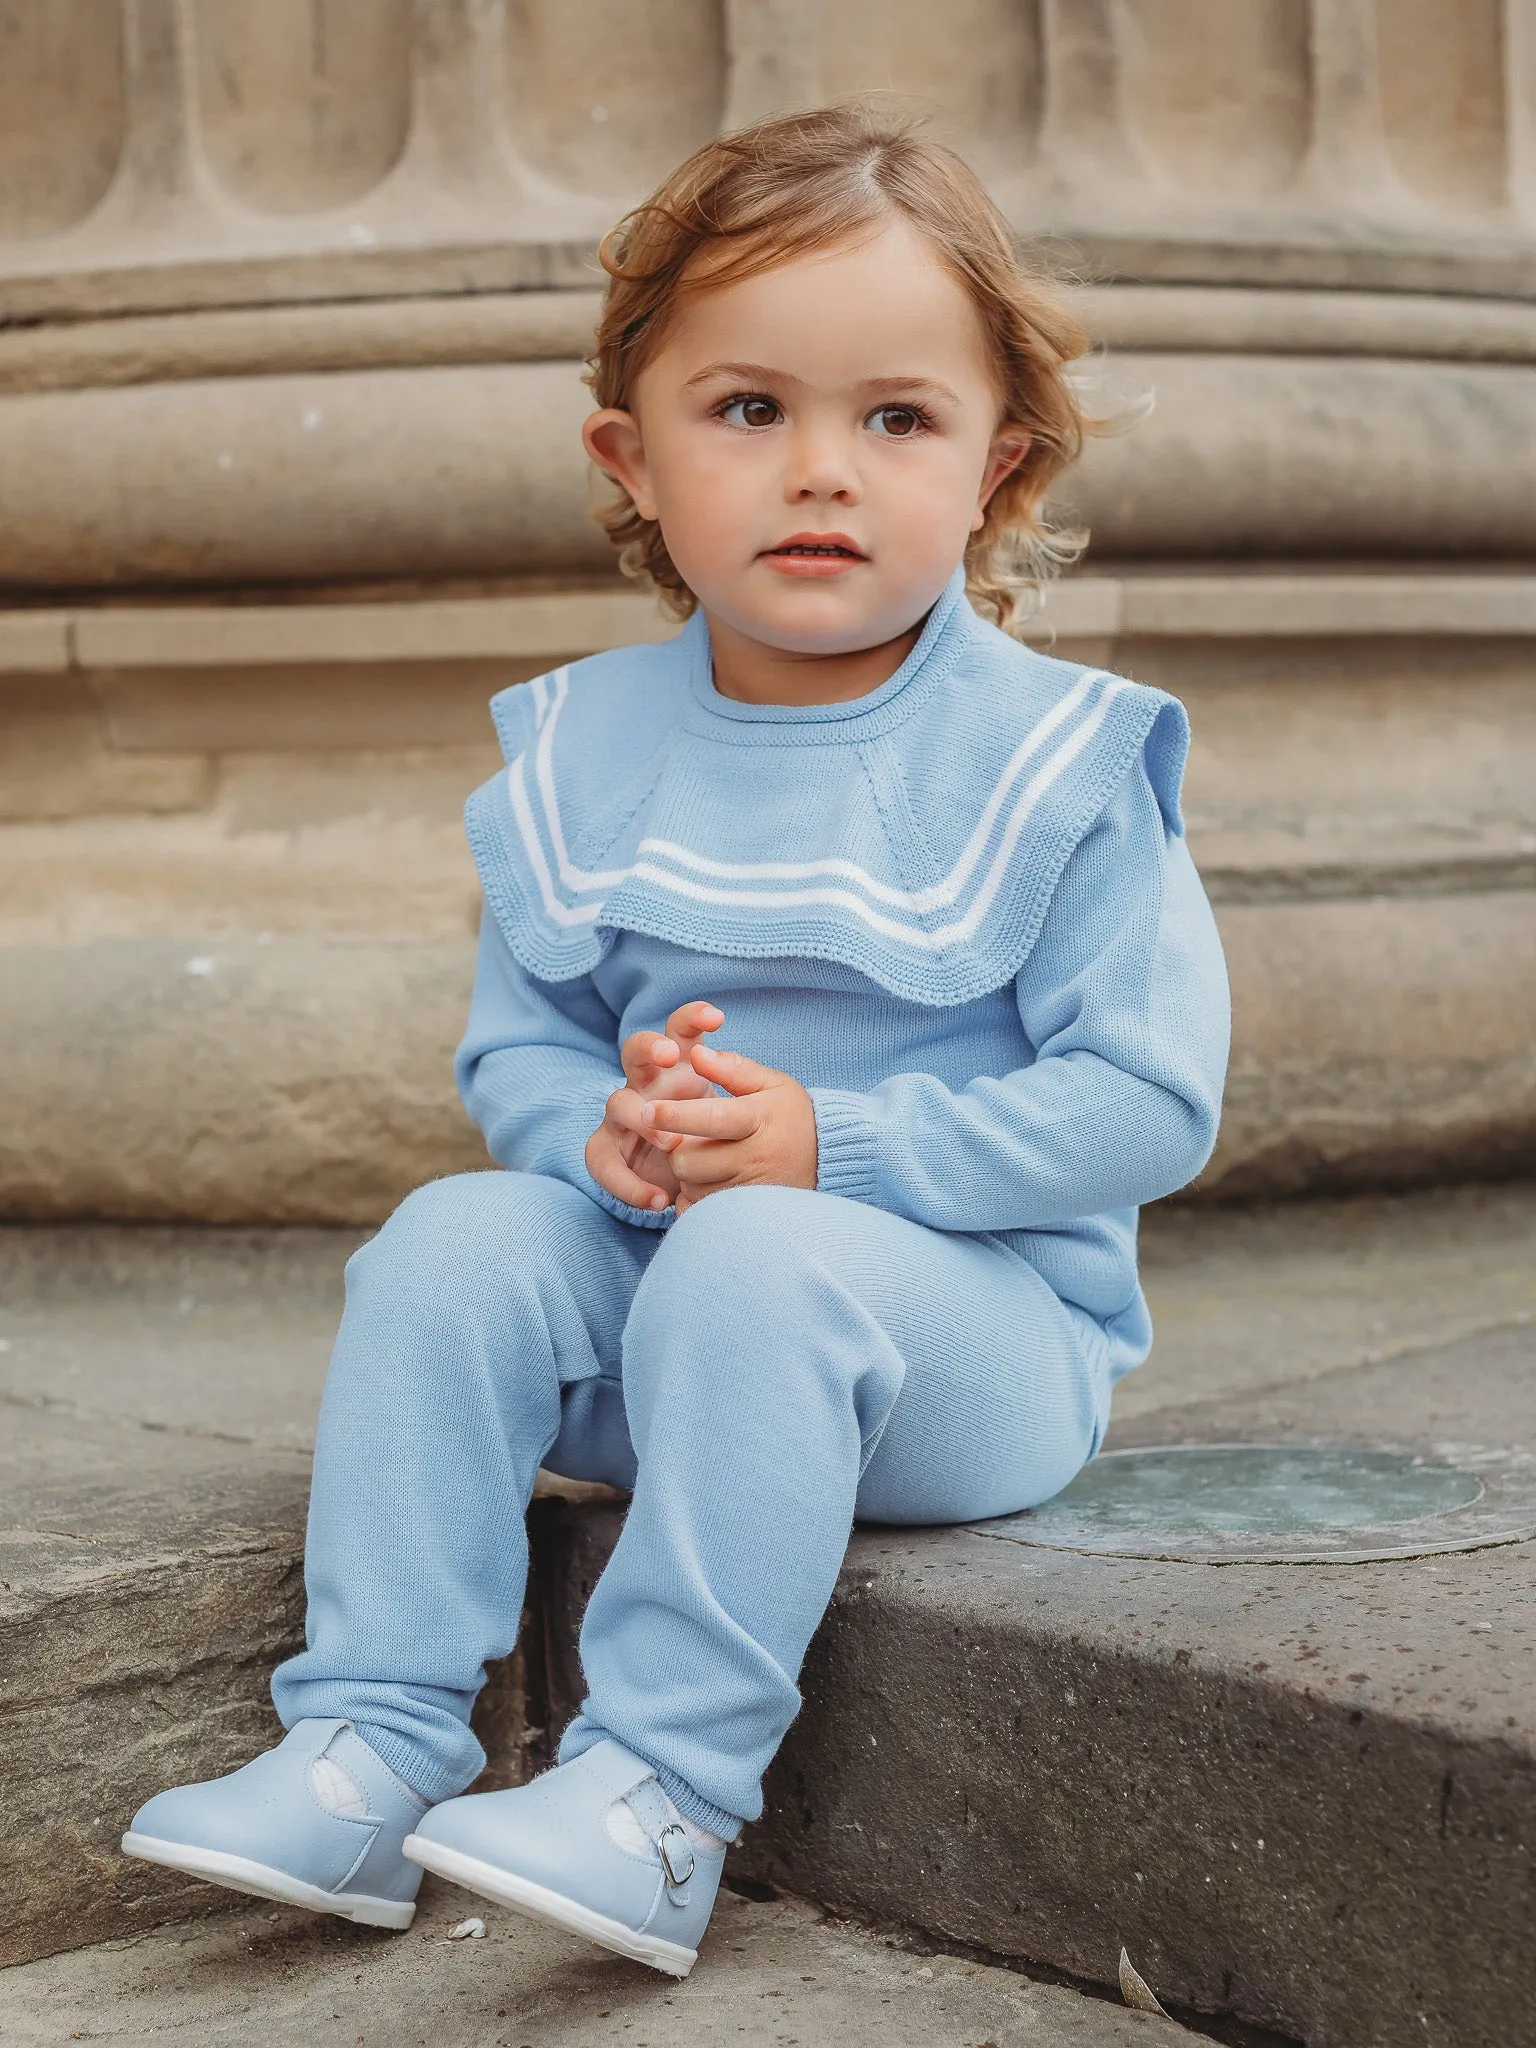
(777, 1973)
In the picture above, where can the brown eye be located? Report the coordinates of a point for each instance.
(751, 412)
(897, 422)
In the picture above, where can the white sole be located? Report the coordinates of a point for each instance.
(523, 1896)
(240, 1874)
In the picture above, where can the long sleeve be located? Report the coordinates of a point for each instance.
(537, 1064)
(1124, 998)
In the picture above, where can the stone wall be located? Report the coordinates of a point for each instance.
(291, 306)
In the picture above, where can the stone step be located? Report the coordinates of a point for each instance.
(255, 935)
(1034, 1753)
(1306, 1793)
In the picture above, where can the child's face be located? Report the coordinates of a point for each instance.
(846, 399)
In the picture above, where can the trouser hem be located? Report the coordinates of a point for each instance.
(427, 1780)
(699, 1810)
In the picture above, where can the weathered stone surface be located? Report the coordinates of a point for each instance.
(541, 326)
(1314, 747)
(160, 1389)
(772, 1972)
(1378, 1043)
(306, 1080)
(1070, 1783)
(309, 1078)
(218, 1336)
(1252, 1297)
(490, 327)
(362, 848)
(478, 471)
(465, 151)
(145, 1601)
(148, 1584)
(358, 708)
(1275, 456)
(244, 172)
(58, 762)
(297, 479)
(1181, 318)
(224, 1334)
(1415, 622)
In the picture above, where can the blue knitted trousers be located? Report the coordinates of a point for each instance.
(774, 1364)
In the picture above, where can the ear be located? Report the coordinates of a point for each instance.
(1010, 445)
(613, 441)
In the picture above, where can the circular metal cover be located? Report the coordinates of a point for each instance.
(1280, 1504)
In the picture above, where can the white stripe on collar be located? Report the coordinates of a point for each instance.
(938, 896)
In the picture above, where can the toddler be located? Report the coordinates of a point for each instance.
(877, 1259)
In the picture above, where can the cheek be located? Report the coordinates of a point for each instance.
(707, 496)
(934, 498)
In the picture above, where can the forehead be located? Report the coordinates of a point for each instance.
(884, 303)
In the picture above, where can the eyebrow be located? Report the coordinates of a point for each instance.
(762, 373)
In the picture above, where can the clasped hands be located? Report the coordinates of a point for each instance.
(667, 1137)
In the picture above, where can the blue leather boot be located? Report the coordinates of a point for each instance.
(592, 1846)
(316, 1822)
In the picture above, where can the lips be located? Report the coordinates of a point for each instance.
(815, 553)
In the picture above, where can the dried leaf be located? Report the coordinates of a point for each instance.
(1135, 1990)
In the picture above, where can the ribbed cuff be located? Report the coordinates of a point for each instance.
(845, 1144)
(627, 1212)
(415, 1770)
(582, 1735)
(688, 1803)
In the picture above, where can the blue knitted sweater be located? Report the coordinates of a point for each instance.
(959, 909)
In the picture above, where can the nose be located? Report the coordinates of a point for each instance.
(822, 468)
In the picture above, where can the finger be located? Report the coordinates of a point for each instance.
(711, 1116)
(629, 1187)
(608, 1168)
(689, 1020)
(645, 1054)
(733, 1071)
(704, 1164)
(648, 1160)
(628, 1112)
(677, 1084)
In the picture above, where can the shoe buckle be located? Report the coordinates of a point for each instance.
(676, 1853)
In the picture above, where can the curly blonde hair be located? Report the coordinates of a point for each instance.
(756, 199)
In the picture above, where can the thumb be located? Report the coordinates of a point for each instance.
(733, 1071)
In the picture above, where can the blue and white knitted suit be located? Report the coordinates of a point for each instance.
(961, 911)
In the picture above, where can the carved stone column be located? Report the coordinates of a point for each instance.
(292, 300)
(204, 204)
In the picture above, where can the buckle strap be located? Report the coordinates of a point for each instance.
(648, 1803)
(676, 1853)
(615, 1768)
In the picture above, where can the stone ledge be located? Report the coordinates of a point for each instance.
(543, 326)
(308, 1078)
(149, 1581)
(145, 1598)
(474, 471)
(35, 643)
(1306, 1794)
(591, 617)
(1243, 254)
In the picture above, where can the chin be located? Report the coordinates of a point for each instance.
(813, 620)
